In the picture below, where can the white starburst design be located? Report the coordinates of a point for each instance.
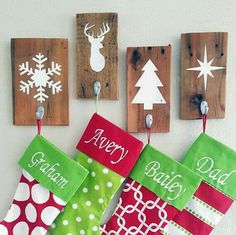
(40, 77)
(205, 68)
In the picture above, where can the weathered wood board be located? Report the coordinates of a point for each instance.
(97, 54)
(148, 87)
(203, 74)
(40, 78)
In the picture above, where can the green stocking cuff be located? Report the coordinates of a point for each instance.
(215, 162)
(52, 168)
(164, 176)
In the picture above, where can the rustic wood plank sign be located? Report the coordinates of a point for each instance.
(97, 54)
(148, 87)
(203, 74)
(40, 78)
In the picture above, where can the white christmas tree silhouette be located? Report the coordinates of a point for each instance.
(149, 82)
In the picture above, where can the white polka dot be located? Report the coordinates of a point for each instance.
(38, 230)
(82, 232)
(40, 194)
(93, 174)
(65, 222)
(95, 228)
(74, 206)
(85, 190)
(59, 201)
(3, 230)
(100, 200)
(109, 184)
(13, 213)
(90, 160)
(53, 225)
(88, 203)
(96, 187)
(91, 216)
(49, 214)
(78, 219)
(105, 171)
(21, 228)
(22, 192)
(27, 176)
(30, 213)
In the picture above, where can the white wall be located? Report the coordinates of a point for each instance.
(141, 23)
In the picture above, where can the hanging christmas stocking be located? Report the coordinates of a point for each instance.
(109, 154)
(49, 180)
(158, 188)
(217, 164)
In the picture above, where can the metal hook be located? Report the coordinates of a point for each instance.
(149, 121)
(204, 110)
(204, 107)
(96, 91)
(39, 117)
(96, 88)
(40, 113)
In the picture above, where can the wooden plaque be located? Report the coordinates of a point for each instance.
(40, 78)
(148, 87)
(97, 54)
(203, 74)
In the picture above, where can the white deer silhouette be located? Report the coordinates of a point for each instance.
(97, 60)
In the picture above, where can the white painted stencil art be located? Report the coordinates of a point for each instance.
(205, 68)
(97, 60)
(149, 93)
(40, 78)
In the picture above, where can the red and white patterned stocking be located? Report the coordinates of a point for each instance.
(49, 180)
(205, 209)
(33, 209)
(149, 199)
(217, 165)
(139, 211)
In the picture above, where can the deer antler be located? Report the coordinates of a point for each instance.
(86, 28)
(104, 30)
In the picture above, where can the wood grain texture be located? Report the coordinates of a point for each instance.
(24, 105)
(137, 57)
(86, 76)
(191, 87)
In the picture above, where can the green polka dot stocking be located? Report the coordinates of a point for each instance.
(83, 213)
(109, 154)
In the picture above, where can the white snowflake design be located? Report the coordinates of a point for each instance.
(40, 77)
